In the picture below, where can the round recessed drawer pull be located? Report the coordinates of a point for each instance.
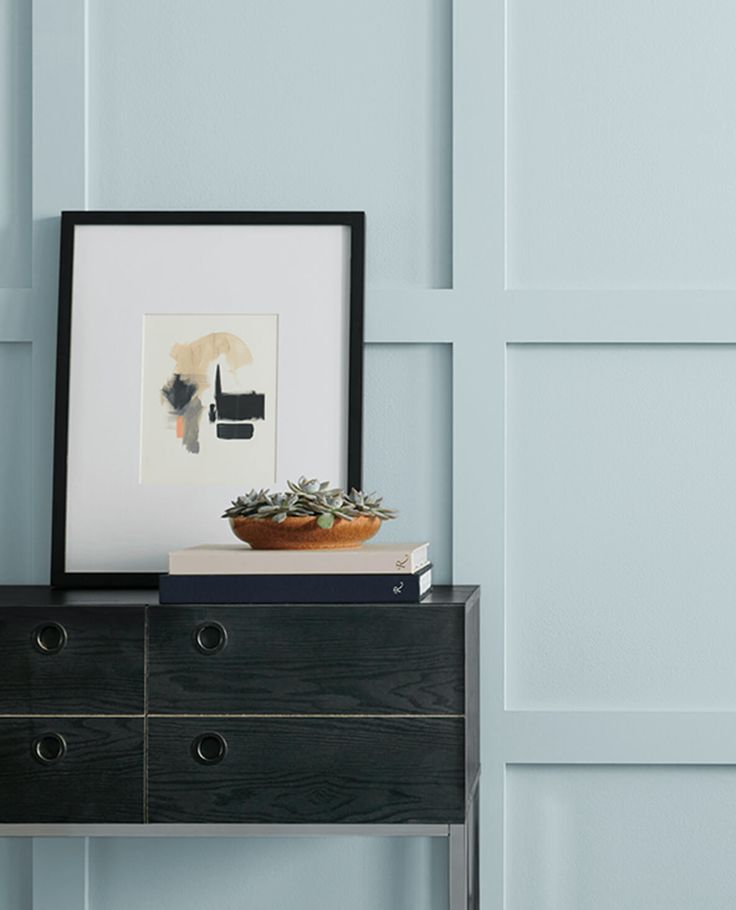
(49, 748)
(209, 748)
(210, 637)
(49, 638)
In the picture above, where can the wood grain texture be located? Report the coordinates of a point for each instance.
(99, 670)
(44, 596)
(311, 770)
(418, 660)
(309, 659)
(99, 779)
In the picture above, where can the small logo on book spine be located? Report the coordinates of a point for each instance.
(401, 563)
(398, 588)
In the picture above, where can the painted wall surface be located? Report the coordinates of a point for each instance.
(15, 149)
(360, 873)
(667, 845)
(238, 105)
(282, 105)
(16, 871)
(551, 329)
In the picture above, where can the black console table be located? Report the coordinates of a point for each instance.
(120, 716)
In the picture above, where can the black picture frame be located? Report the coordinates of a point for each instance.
(61, 576)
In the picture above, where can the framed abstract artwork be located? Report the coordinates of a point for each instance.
(200, 354)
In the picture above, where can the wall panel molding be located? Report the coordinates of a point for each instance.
(15, 149)
(15, 464)
(16, 882)
(618, 737)
(61, 873)
(59, 168)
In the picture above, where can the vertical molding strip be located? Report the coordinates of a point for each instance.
(86, 104)
(60, 873)
(60, 865)
(15, 177)
(86, 905)
(59, 56)
(479, 379)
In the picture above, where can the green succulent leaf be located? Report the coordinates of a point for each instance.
(308, 497)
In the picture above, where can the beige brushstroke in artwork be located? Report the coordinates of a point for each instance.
(191, 378)
(193, 360)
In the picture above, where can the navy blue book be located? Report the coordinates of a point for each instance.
(305, 589)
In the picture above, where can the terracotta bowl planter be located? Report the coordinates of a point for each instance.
(303, 533)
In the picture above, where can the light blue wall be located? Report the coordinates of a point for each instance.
(15, 474)
(15, 273)
(15, 149)
(359, 874)
(408, 443)
(288, 104)
(551, 325)
(237, 104)
(16, 865)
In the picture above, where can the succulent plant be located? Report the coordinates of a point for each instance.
(309, 498)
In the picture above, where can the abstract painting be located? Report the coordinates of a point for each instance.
(208, 399)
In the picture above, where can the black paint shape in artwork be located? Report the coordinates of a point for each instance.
(234, 430)
(238, 406)
(182, 396)
(178, 392)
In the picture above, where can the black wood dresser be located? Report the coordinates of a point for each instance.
(122, 716)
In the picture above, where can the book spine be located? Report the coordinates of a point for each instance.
(270, 562)
(219, 589)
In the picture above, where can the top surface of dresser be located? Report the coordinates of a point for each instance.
(43, 596)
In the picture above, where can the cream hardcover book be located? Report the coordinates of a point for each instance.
(240, 559)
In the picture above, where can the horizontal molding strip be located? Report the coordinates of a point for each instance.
(17, 323)
(15, 296)
(410, 316)
(616, 737)
(647, 317)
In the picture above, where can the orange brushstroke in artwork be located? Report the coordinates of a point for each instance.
(179, 427)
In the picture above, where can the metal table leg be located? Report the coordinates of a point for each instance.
(458, 878)
(463, 849)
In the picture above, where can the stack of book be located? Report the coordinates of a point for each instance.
(373, 573)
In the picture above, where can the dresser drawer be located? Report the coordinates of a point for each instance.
(306, 770)
(306, 659)
(67, 770)
(67, 660)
